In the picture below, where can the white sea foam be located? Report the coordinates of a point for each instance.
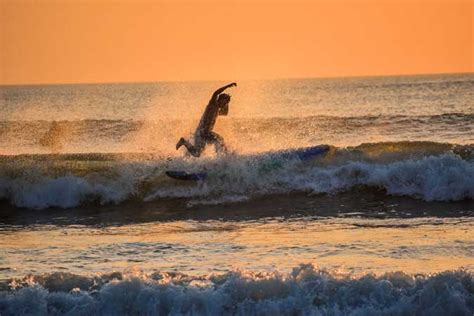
(445, 177)
(305, 291)
(64, 192)
(434, 178)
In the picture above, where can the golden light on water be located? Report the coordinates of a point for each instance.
(381, 246)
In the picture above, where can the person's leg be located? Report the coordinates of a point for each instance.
(218, 141)
(194, 150)
(181, 142)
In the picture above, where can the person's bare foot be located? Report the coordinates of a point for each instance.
(180, 143)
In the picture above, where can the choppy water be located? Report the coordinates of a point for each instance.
(264, 115)
(84, 194)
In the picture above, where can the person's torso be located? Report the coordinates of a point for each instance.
(208, 119)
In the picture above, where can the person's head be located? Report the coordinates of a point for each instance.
(223, 102)
(223, 99)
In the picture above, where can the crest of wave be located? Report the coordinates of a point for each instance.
(306, 290)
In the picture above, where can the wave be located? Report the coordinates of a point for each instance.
(422, 170)
(89, 136)
(305, 291)
(119, 127)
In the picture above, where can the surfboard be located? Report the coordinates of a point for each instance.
(303, 154)
(183, 175)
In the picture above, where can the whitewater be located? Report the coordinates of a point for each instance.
(380, 224)
(428, 171)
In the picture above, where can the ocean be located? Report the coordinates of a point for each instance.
(382, 224)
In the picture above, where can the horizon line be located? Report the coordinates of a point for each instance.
(225, 80)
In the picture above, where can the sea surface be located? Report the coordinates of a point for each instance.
(382, 224)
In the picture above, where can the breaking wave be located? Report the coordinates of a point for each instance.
(428, 171)
(305, 291)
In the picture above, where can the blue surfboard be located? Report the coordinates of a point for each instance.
(303, 154)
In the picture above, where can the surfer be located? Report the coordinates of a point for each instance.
(218, 105)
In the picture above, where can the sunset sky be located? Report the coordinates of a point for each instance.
(124, 41)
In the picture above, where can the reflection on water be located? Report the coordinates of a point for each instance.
(355, 245)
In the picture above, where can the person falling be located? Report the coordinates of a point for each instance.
(218, 105)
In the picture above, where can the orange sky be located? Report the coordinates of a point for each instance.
(114, 41)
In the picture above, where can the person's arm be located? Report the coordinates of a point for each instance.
(220, 90)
